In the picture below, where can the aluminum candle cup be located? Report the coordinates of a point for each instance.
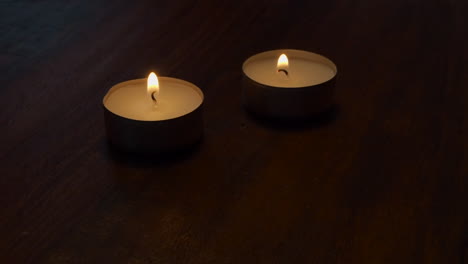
(300, 84)
(165, 120)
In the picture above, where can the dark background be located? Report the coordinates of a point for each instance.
(384, 181)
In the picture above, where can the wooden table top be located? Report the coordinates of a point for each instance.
(382, 181)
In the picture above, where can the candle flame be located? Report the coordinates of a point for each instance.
(283, 62)
(153, 85)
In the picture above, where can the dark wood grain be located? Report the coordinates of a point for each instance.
(384, 181)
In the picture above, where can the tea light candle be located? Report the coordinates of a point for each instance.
(288, 83)
(153, 115)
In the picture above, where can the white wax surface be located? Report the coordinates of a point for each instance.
(176, 98)
(302, 72)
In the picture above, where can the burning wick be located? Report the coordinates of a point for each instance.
(153, 87)
(283, 64)
(153, 97)
(283, 71)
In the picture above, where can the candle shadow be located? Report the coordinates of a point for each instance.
(464, 252)
(152, 159)
(311, 122)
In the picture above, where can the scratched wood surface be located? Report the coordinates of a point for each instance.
(383, 180)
